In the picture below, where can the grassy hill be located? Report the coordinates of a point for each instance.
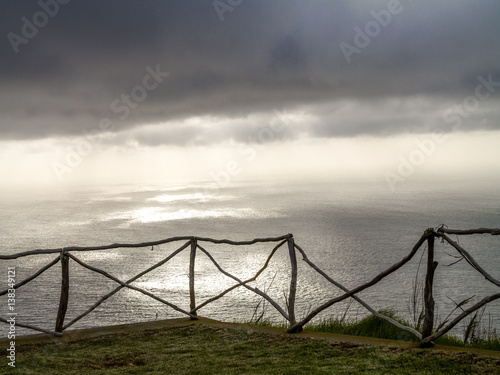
(202, 349)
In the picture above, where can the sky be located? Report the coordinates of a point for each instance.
(95, 92)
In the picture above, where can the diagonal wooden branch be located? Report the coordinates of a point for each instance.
(312, 314)
(222, 294)
(470, 259)
(104, 298)
(255, 290)
(104, 273)
(455, 321)
(363, 303)
(35, 275)
(58, 334)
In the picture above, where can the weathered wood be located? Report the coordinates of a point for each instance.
(363, 303)
(293, 282)
(34, 276)
(250, 242)
(255, 290)
(253, 278)
(297, 327)
(428, 324)
(95, 248)
(429, 235)
(470, 259)
(455, 321)
(118, 288)
(192, 296)
(492, 231)
(63, 301)
(35, 328)
(104, 273)
(143, 244)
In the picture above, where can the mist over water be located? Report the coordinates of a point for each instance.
(352, 231)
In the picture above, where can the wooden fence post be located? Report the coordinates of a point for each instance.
(293, 282)
(191, 278)
(428, 324)
(63, 301)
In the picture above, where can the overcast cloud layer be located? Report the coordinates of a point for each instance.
(233, 69)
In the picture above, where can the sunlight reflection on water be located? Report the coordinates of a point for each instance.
(157, 214)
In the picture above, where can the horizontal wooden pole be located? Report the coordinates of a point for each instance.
(250, 242)
(492, 231)
(143, 244)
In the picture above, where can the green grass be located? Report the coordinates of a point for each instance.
(373, 326)
(199, 349)
(488, 344)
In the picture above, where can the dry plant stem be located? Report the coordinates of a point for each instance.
(104, 298)
(363, 303)
(375, 280)
(459, 318)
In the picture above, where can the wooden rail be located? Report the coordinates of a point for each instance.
(425, 337)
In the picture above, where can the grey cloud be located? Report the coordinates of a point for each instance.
(264, 55)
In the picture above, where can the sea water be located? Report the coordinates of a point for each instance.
(351, 230)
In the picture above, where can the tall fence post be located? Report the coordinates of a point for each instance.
(428, 324)
(63, 301)
(293, 282)
(192, 296)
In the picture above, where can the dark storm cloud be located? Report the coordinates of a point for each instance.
(264, 55)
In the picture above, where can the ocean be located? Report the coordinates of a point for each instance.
(351, 230)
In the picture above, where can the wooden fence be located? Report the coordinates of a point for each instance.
(288, 312)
